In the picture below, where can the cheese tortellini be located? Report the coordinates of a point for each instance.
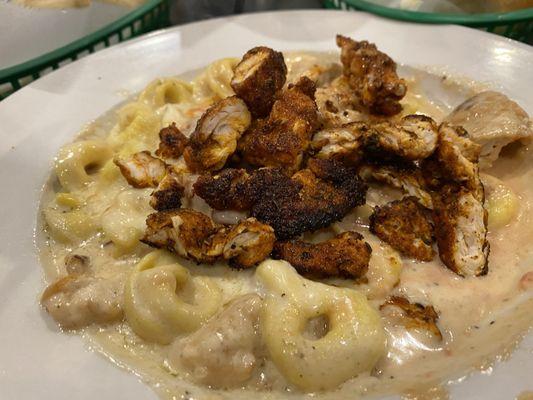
(215, 81)
(501, 203)
(69, 226)
(354, 342)
(73, 161)
(162, 299)
(166, 91)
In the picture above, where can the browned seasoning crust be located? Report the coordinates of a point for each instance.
(461, 230)
(319, 195)
(405, 225)
(226, 190)
(258, 77)
(372, 75)
(168, 193)
(194, 235)
(281, 139)
(142, 170)
(346, 255)
(172, 142)
(415, 315)
(215, 138)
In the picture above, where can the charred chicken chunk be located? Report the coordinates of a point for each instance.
(412, 315)
(246, 243)
(193, 235)
(413, 138)
(168, 193)
(227, 190)
(281, 139)
(461, 230)
(142, 170)
(405, 176)
(172, 142)
(314, 198)
(343, 143)
(79, 300)
(492, 121)
(216, 135)
(346, 255)
(406, 226)
(258, 77)
(372, 75)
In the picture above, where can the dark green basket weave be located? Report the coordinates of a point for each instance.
(517, 25)
(154, 14)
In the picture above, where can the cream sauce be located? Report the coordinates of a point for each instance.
(481, 318)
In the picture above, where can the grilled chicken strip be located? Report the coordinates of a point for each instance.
(142, 170)
(413, 138)
(346, 255)
(405, 176)
(461, 230)
(281, 139)
(194, 235)
(168, 193)
(172, 142)
(325, 192)
(343, 143)
(405, 225)
(492, 121)
(372, 75)
(412, 315)
(215, 138)
(258, 77)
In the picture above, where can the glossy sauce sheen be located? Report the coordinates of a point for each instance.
(481, 318)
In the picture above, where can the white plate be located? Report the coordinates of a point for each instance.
(31, 32)
(38, 362)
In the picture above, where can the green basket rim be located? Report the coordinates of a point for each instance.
(44, 60)
(439, 18)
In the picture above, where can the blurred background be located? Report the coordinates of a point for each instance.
(39, 36)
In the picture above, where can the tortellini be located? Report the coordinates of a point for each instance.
(163, 300)
(354, 342)
(124, 221)
(70, 226)
(166, 91)
(216, 80)
(137, 129)
(73, 161)
(501, 203)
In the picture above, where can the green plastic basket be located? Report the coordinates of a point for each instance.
(517, 25)
(154, 14)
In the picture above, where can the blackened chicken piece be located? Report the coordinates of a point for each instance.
(282, 139)
(461, 230)
(226, 190)
(258, 77)
(172, 142)
(343, 143)
(346, 255)
(142, 170)
(413, 138)
(405, 225)
(168, 193)
(372, 75)
(319, 195)
(215, 138)
(405, 176)
(413, 315)
(193, 235)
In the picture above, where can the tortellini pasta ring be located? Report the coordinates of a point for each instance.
(166, 91)
(352, 345)
(74, 159)
(154, 304)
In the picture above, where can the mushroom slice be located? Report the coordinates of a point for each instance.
(215, 138)
(258, 77)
